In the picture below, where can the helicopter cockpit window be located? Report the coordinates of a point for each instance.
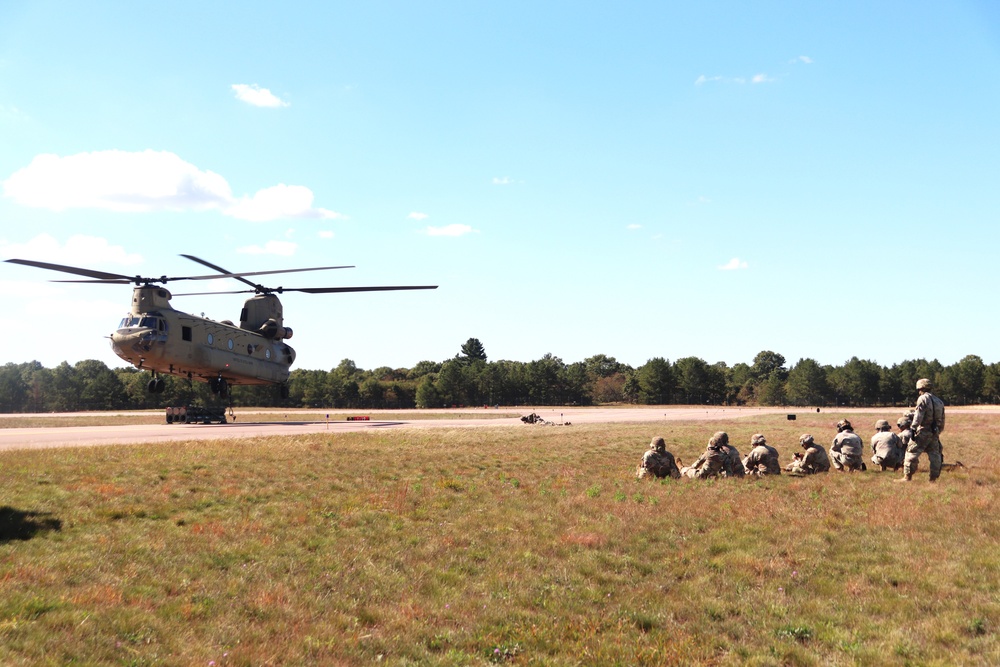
(148, 322)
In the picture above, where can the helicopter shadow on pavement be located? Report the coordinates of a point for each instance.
(17, 524)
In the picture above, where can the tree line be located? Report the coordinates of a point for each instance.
(469, 378)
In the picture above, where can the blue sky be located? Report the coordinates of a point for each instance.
(633, 179)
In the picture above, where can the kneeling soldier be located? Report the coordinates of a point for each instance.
(847, 449)
(812, 461)
(719, 459)
(762, 459)
(657, 462)
(887, 448)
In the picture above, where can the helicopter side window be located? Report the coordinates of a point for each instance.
(211, 339)
(186, 333)
(149, 322)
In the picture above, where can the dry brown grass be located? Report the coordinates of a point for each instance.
(476, 546)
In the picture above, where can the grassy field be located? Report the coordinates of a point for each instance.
(525, 546)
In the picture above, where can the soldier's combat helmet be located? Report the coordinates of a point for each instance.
(718, 439)
(844, 425)
(657, 444)
(806, 440)
(923, 384)
(882, 425)
(757, 439)
(905, 421)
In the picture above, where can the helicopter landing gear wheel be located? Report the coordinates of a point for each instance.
(156, 386)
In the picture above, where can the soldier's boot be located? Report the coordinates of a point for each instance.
(907, 477)
(882, 467)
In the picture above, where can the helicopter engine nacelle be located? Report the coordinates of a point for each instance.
(271, 329)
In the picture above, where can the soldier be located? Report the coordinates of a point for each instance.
(657, 462)
(927, 425)
(716, 461)
(847, 449)
(813, 460)
(887, 448)
(762, 459)
(735, 464)
(905, 432)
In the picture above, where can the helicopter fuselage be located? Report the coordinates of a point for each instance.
(156, 337)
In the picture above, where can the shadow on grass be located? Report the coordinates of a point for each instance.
(18, 525)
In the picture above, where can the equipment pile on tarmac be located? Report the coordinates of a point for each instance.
(535, 418)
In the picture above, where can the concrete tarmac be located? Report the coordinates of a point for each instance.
(246, 427)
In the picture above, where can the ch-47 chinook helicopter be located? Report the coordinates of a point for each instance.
(153, 336)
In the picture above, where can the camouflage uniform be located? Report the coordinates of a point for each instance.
(814, 459)
(762, 459)
(905, 432)
(657, 462)
(717, 461)
(847, 449)
(887, 448)
(928, 423)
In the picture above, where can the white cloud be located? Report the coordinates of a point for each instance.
(633, 226)
(762, 78)
(449, 230)
(139, 182)
(117, 181)
(278, 202)
(92, 250)
(282, 248)
(417, 216)
(804, 59)
(706, 79)
(325, 234)
(256, 96)
(734, 264)
(502, 180)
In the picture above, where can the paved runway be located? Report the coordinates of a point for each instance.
(246, 427)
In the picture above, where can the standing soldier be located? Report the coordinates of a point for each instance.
(887, 448)
(847, 449)
(812, 461)
(928, 423)
(762, 459)
(717, 460)
(657, 462)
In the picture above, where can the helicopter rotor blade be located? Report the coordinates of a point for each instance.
(215, 267)
(239, 276)
(330, 290)
(318, 290)
(102, 276)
